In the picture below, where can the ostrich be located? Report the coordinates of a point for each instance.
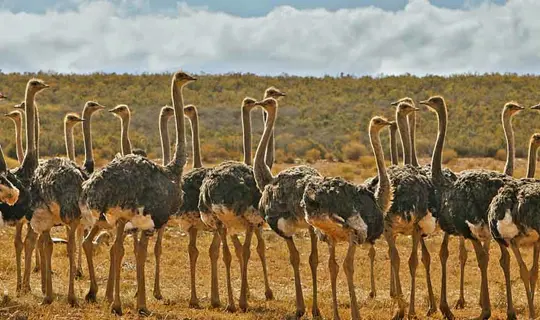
(134, 189)
(13, 213)
(269, 157)
(16, 117)
(280, 206)
(56, 189)
(345, 212)
(464, 212)
(2, 96)
(124, 114)
(9, 192)
(513, 222)
(393, 144)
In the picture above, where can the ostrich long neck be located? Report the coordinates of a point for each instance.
(87, 137)
(125, 143)
(246, 134)
(70, 145)
(165, 144)
(269, 157)
(393, 146)
(412, 135)
(382, 194)
(196, 142)
(263, 175)
(3, 165)
(436, 159)
(531, 169)
(179, 158)
(509, 135)
(30, 160)
(18, 139)
(402, 124)
(36, 128)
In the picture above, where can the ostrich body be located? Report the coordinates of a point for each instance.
(465, 212)
(513, 221)
(133, 188)
(280, 206)
(20, 177)
(345, 212)
(56, 189)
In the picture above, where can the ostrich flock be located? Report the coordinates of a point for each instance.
(132, 195)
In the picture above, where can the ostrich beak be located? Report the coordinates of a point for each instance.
(536, 107)
(395, 103)
(416, 109)
(192, 78)
(81, 120)
(282, 94)
(425, 102)
(112, 110)
(18, 106)
(2, 96)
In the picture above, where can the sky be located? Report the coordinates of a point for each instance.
(298, 37)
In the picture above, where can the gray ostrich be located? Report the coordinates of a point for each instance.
(272, 92)
(464, 212)
(134, 189)
(513, 221)
(394, 157)
(280, 207)
(345, 212)
(20, 177)
(9, 193)
(55, 190)
(234, 212)
(124, 114)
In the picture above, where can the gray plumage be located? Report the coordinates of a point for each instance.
(132, 182)
(341, 201)
(281, 198)
(191, 187)
(231, 185)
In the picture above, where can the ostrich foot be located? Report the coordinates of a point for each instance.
(90, 297)
(230, 308)
(269, 295)
(79, 274)
(194, 304)
(144, 312)
(117, 310)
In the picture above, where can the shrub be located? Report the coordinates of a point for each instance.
(354, 150)
(449, 155)
(500, 155)
(313, 155)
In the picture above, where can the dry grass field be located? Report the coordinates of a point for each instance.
(175, 276)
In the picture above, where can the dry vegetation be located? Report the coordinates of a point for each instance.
(175, 274)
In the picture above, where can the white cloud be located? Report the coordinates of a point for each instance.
(420, 39)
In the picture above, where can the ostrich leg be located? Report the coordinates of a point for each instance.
(29, 245)
(71, 245)
(261, 251)
(18, 253)
(47, 250)
(348, 268)
(157, 272)
(483, 258)
(246, 252)
(37, 267)
(443, 255)
(79, 241)
(395, 261)
(142, 246)
(313, 263)
(213, 252)
(88, 247)
(505, 265)
(460, 304)
(413, 264)
(534, 268)
(426, 261)
(333, 268)
(371, 254)
(227, 258)
(193, 255)
(294, 258)
(525, 277)
(117, 253)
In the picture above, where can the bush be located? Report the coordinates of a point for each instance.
(313, 155)
(449, 155)
(354, 150)
(500, 155)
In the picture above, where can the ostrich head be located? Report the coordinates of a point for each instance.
(267, 104)
(92, 106)
(190, 111)
(377, 123)
(36, 85)
(511, 108)
(181, 78)
(2, 96)
(273, 92)
(72, 119)
(406, 99)
(167, 112)
(14, 115)
(405, 108)
(121, 111)
(248, 103)
(536, 107)
(435, 103)
(20, 106)
(535, 140)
